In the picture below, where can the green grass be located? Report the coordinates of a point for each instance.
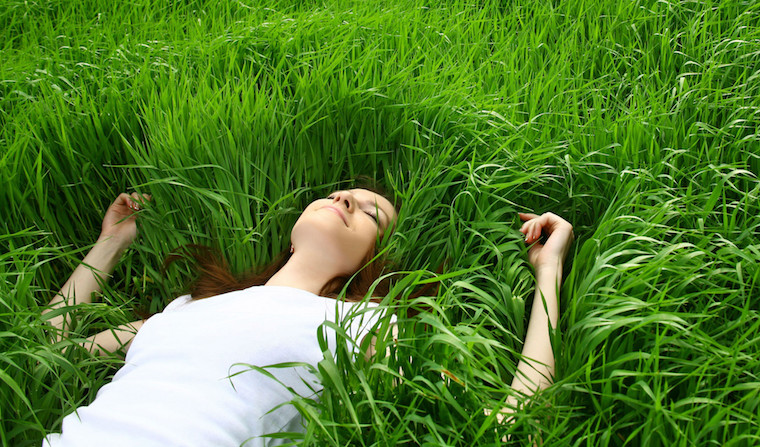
(635, 120)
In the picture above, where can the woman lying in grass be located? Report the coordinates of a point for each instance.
(187, 378)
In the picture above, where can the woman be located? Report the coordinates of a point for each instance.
(187, 378)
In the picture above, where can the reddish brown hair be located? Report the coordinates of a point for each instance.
(215, 276)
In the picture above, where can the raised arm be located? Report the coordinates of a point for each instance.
(118, 231)
(535, 370)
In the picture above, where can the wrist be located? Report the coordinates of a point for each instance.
(549, 272)
(113, 242)
(548, 266)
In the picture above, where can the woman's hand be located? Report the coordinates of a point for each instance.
(119, 221)
(119, 230)
(555, 250)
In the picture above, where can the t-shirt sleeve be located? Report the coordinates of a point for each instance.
(362, 319)
(178, 303)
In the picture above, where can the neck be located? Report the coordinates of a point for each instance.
(301, 273)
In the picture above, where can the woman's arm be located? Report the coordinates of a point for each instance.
(118, 231)
(535, 370)
(114, 340)
(86, 280)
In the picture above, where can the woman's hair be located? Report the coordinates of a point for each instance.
(215, 276)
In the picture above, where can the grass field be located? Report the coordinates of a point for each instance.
(636, 120)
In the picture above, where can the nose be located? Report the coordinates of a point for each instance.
(345, 198)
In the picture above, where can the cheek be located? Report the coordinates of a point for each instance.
(359, 253)
(368, 239)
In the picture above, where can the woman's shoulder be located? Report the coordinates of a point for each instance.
(178, 303)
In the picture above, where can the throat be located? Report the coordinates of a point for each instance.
(299, 274)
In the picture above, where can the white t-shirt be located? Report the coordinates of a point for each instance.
(186, 379)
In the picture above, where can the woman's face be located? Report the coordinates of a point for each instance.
(342, 228)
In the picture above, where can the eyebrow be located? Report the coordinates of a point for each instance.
(377, 207)
(387, 217)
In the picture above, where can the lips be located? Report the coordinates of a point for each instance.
(338, 212)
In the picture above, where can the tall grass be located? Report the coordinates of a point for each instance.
(635, 120)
